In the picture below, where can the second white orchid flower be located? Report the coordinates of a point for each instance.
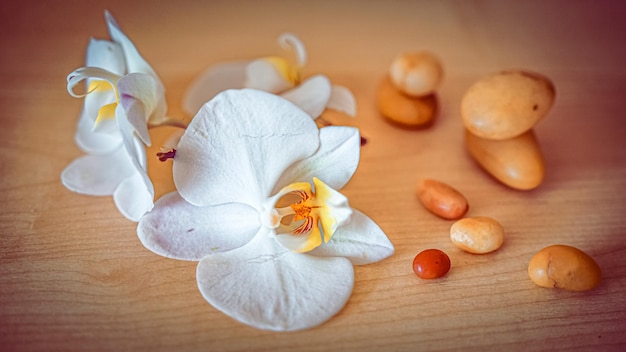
(123, 95)
(257, 206)
(275, 75)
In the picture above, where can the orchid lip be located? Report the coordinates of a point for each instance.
(98, 80)
(303, 219)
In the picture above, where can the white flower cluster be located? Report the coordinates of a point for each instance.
(256, 200)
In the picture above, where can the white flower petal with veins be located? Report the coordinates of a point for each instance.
(238, 145)
(179, 230)
(266, 286)
(276, 244)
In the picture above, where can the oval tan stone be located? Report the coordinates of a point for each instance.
(477, 235)
(516, 162)
(566, 267)
(400, 109)
(441, 199)
(506, 104)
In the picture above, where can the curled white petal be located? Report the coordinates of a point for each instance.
(84, 73)
(108, 56)
(291, 41)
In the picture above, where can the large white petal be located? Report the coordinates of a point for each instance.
(134, 197)
(341, 99)
(268, 287)
(134, 61)
(312, 95)
(98, 175)
(361, 240)
(334, 163)
(231, 75)
(177, 229)
(238, 145)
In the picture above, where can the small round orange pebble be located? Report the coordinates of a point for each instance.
(431, 264)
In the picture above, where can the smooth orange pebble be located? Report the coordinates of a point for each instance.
(441, 199)
(431, 264)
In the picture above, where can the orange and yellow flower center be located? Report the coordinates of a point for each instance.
(309, 218)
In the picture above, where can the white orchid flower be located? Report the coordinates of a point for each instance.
(275, 75)
(123, 95)
(257, 206)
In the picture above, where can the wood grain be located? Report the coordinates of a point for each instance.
(73, 275)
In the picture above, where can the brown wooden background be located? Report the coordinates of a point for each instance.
(73, 275)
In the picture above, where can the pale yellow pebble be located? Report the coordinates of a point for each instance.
(416, 73)
(566, 267)
(404, 110)
(516, 162)
(506, 104)
(477, 235)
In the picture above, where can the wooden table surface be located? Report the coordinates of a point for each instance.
(74, 276)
